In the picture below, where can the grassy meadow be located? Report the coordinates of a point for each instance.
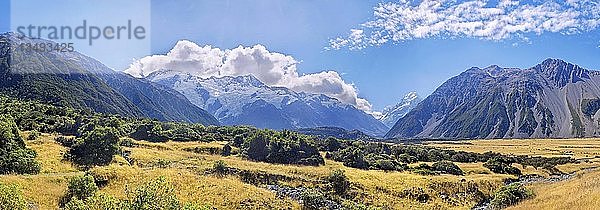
(185, 164)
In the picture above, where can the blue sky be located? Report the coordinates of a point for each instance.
(382, 74)
(303, 29)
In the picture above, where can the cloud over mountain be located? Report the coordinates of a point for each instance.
(490, 20)
(273, 69)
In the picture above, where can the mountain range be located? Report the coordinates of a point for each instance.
(75, 80)
(245, 100)
(554, 99)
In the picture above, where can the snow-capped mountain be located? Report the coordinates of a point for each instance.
(391, 114)
(245, 100)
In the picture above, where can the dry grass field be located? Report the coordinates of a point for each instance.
(185, 165)
(580, 192)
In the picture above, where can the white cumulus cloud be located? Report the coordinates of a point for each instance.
(273, 69)
(490, 20)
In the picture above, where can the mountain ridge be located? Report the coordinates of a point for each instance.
(245, 100)
(544, 101)
(75, 80)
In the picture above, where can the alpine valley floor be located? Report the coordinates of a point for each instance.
(185, 165)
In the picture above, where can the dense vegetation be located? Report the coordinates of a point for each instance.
(281, 147)
(383, 156)
(97, 136)
(14, 156)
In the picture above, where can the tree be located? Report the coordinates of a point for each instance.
(226, 150)
(257, 147)
(14, 156)
(96, 147)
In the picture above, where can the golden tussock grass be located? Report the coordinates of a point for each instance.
(581, 192)
(185, 168)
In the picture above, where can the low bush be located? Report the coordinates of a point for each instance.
(510, 195)
(65, 141)
(11, 197)
(338, 182)
(78, 190)
(447, 167)
(157, 194)
(312, 200)
(220, 168)
(497, 165)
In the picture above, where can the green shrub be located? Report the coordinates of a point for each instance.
(76, 204)
(158, 194)
(447, 167)
(220, 167)
(14, 156)
(96, 147)
(510, 195)
(33, 135)
(12, 198)
(312, 199)
(79, 188)
(424, 170)
(338, 182)
(100, 201)
(500, 166)
(226, 150)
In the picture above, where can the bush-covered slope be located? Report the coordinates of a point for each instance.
(75, 80)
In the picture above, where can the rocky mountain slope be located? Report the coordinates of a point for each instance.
(75, 80)
(391, 114)
(244, 100)
(553, 99)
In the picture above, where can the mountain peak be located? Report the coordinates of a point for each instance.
(391, 114)
(562, 72)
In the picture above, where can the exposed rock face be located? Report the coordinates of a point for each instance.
(554, 99)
